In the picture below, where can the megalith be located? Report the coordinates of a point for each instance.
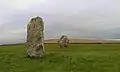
(63, 42)
(35, 37)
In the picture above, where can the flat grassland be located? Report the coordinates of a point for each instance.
(76, 58)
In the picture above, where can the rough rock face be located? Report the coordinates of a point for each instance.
(63, 42)
(35, 37)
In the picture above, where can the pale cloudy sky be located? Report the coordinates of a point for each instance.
(99, 19)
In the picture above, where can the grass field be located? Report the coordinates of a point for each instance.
(77, 58)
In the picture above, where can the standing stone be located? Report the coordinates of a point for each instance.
(35, 37)
(63, 42)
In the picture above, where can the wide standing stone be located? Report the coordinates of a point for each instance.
(35, 37)
(63, 42)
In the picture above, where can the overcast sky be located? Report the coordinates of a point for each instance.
(99, 19)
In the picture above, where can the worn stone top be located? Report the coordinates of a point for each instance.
(36, 22)
(36, 19)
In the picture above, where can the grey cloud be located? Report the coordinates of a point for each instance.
(76, 18)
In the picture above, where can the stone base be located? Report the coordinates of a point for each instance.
(36, 51)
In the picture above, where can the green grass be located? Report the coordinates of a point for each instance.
(77, 58)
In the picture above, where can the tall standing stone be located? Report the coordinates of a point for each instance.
(35, 37)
